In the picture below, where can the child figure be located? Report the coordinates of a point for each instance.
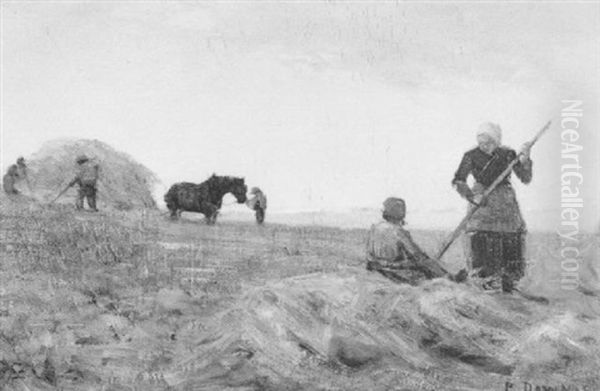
(258, 203)
(392, 252)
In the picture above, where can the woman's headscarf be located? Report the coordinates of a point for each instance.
(491, 130)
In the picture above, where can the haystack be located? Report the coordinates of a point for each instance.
(124, 183)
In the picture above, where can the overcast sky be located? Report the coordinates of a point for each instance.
(324, 105)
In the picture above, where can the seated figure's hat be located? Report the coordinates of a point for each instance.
(394, 207)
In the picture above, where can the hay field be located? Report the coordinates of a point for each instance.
(132, 301)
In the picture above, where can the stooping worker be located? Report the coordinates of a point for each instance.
(495, 235)
(392, 252)
(9, 180)
(87, 178)
(23, 173)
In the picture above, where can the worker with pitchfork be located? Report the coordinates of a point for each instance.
(495, 235)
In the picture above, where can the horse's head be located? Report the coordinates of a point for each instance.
(221, 185)
(239, 189)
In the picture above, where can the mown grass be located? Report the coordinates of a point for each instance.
(59, 267)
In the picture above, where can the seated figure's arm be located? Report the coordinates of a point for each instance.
(418, 255)
(409, 246)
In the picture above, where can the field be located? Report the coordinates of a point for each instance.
(133, 301)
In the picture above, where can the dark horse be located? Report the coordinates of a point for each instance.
(205, 198)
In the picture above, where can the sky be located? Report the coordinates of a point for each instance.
(325, 105)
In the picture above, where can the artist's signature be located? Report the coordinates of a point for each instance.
(526, 386)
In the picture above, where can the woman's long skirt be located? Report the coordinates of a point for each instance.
(496, 235)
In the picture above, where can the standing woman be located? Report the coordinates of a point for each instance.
(495, 235)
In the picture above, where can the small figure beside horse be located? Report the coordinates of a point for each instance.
(206, 197)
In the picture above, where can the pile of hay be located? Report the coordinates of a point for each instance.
(355, 330)
(124, 184)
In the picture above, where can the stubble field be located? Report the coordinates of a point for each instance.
(133, 301)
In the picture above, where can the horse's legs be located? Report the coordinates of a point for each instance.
(172, 205)
(210, 211)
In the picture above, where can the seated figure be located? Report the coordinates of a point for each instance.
(392, 252)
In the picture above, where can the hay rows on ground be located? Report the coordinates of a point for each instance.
(190, 307)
